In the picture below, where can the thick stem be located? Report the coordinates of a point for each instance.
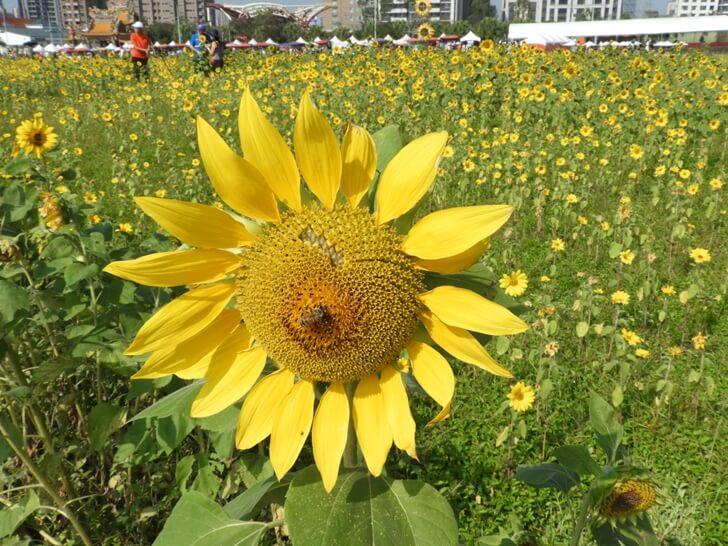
(351, 457)
(581, 522)
(46, 484)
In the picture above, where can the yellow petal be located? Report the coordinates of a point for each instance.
(265, 148)
(465, 309)
(291, 427)
(260, 407)
(235, 180)
(434, 374)
(196, 225)
(176, 268)
(181, 318)
(396, 405)
(371, 424)
(461, 344)
(329, 432)
(200, 368)
(456, 263)
(317, 152)
(408, 176)
(233, 370)
(450, 232)
(188, 353)
(359, 163)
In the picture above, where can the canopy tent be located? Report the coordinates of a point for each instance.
(388, 38)
(301, 41)
(50, 48)
(664, 43)
(13, 39)
(339, 44)
(548, 42)
(39, 49)
(470, 38)
(112, 47)
(270, 42)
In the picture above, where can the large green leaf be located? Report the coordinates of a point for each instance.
(12, 299)
(577, 459)
(605, 425)
(388, 142)
(547, 475)
(362, 509)
(199, 521)
(179, 402)
(12, 517)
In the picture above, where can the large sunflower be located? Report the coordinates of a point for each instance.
(35, 137)
(422, 7)
(323, 290)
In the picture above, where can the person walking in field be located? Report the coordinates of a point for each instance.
(141, 45)
(216, 48)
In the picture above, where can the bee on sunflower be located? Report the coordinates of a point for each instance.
(317, 297)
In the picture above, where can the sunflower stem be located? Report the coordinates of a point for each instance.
(581, 522)
(351, 457)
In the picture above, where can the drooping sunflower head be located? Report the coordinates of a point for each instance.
(628, 498)
(325, 289)
(425, 30)
(34, 137)
(423, 7)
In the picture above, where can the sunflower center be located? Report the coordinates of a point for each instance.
(38, 138)
(328, 294)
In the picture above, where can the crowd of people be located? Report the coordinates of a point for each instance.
(206, 45)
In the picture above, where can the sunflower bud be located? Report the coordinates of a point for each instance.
(628, 498)
(50, 211)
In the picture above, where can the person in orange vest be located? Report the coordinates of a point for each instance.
(141, 45)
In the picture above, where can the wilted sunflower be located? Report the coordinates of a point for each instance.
(628, 498)
(422, 8)
(34, 137)
(326, 291)
(425, 30)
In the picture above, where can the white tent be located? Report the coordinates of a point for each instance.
(663, 43)
(253, 41)
(39, 49)
(127, 46)
(406, 38)
(401, 42)
(172, 43)
(470, 37)
(271, 42)
(388, 38)
(549, 40)
(13, 39)
(237, 42)
(111, 47)
(339, 44)
(50, 48)
(81, 47)
(157, 44)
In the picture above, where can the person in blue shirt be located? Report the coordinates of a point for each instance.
(198, 41)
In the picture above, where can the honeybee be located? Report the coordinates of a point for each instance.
(313, 317)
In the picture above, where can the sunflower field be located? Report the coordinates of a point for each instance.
(567, 208)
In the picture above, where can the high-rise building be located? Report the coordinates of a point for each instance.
(691, 8)
(46, 12)
(169, 11)
(343, 13)
(404, 10)
(544, 11)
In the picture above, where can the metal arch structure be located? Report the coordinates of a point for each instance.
(303, 14)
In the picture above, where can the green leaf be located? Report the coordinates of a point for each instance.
(577, 459)
(179, 402)
(478, 278)
(17, 166)
(222, 421)
(199, 521)
(103, 421)
(183, 471)
(12, 517)
(582, 329)
(12, 299)
(362, 509)
(617, 396)
(77, 272)
(388, 142)
(495, 540)
(605, 425)
(172, 430)
(547, 475)
(245, 504)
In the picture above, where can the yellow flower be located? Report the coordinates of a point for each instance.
(160, 193)
(631, 337)
(604, 225)
(425, 30)
(545, 278)
(626, 256)
(126, 228)
(582, 220)
(674, 351)
(422, 8)
(327, 290)
(668, 290)
(551, 348)
(133, 137)
(571, 198)
(620, 297)
(50, 211)
(34, 137)
(106, 116)
(62, 188)
(557, 245)
(636, 151)
(94, 218)
(521, 397)
(468, 165)
(628, 498)
(90, 197)
(699, 341)
(642, 353)
(700, 255)
(514, 283)
(716, 184)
